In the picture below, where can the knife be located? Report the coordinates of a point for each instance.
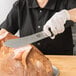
(15, 43)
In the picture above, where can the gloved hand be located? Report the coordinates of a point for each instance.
(56, 23)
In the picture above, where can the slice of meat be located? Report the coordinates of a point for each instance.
(36, 64)
(30, 62)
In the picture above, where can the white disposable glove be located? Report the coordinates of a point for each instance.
(56, 23)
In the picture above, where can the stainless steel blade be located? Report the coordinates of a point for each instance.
(15, 43)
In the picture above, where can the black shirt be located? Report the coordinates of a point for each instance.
(27, 17)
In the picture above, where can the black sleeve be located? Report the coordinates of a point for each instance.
(71, 4)
(11, 23)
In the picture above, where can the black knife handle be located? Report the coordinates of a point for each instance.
(69, 23)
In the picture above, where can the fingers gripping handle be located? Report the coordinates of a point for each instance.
(69, 23)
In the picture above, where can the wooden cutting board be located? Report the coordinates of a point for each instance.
(65, 64)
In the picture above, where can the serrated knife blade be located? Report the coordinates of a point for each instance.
(15, 43)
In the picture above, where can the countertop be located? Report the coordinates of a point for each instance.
(65, 64)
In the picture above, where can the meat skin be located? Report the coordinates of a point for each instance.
(30, 63)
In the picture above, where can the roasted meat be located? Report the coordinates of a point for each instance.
(31, 62)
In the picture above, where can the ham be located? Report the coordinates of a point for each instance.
(29, 61)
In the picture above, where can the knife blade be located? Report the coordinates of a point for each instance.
(15, 43)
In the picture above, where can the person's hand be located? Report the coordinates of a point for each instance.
(56, 23)
(3, 33)
(72, 13)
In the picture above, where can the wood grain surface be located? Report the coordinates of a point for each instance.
(65, 64)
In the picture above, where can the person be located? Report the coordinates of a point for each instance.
(32, 16)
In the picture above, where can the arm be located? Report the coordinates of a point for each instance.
(72, 14)
(71, 5)
(11, 23)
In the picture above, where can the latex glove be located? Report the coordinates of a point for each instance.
(3, 33)
(56, 23)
